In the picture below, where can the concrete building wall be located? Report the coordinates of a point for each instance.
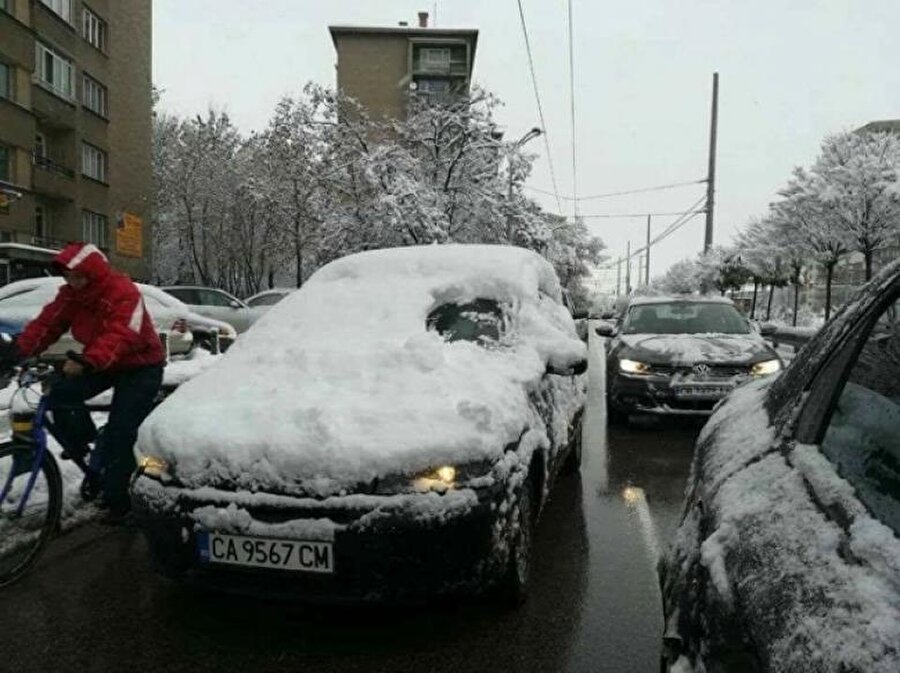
(373, 69)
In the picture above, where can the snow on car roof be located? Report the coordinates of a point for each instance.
(342, 382)
(670, 299)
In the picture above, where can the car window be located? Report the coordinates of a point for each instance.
(684, 318)
(185, 294)
(266, 300)
(480, 320)
(863, 434)
(214, 298)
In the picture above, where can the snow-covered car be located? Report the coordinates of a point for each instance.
(208, 333)
(407, 451)
(217, 304)
(268, 298)
(680, 355)
(787, 557)
(22, 300)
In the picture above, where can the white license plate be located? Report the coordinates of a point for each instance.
(314, 557)
(710, 392)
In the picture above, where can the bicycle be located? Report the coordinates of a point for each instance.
(31, 486)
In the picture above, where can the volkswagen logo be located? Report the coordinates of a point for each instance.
(701, 370)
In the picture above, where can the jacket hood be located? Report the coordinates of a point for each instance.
(85, 258)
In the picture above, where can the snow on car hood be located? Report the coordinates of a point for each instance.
(341, 382)
(689, 349)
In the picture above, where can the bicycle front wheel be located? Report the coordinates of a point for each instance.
(25, 529)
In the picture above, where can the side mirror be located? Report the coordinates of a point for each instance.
(575, 369)
(767, 329)
(605, 329)
(579, 315)
(234, 304)
(607, 315)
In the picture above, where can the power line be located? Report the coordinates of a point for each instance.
(624, 193)
(572, 106)
(537, 97)
(624, 216)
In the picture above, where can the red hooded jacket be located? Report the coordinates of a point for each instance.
(107, 317)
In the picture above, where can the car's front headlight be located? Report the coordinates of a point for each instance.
(154, 467)
(766, 368)
(440, 479)
(633, 367)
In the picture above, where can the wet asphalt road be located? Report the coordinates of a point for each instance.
(93, 604)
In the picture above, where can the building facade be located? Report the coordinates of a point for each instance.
(75, 132)
(379, 67)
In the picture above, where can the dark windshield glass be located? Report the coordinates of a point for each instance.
(685, 318)
(480, 320)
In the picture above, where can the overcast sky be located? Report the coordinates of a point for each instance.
(790, 73)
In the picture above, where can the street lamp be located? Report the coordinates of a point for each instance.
(531, 135)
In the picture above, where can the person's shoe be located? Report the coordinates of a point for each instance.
(117, 516)
(91, 486)
(73, 453)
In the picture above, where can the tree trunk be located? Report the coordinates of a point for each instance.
(796, 302)
(753, 304)
(867, 255)
(829, 273)
(271, 278)
(769, 304)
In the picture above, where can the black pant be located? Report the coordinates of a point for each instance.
(134, 391)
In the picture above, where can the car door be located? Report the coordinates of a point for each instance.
(222, 306)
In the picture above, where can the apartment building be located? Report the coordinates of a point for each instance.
(75, 132)
(380, 66)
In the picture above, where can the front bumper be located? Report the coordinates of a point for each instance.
(385, 548)
(662, 395)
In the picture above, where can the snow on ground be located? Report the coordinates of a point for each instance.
(343, 382)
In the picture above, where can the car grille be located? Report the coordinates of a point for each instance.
(715, 371)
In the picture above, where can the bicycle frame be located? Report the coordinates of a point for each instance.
(39, 436)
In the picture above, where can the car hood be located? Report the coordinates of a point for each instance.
(341, 383)
(690, 349)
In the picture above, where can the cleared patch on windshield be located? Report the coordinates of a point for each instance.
(481, 321)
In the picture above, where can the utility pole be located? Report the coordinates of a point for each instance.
(647, 264)
(628, 269)
(711, 175)
(618, 277)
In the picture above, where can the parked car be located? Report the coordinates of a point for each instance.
(406, 452)
(22, 300)
(268, 298)
(680, 355)
(209, 333)
(788, 557)
(217, 304)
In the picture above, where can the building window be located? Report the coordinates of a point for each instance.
(434, 60)
(93, 29)
(93, 95)
(62, 8)
(93, 228)
(5, 161)
(54, 71)
(5, 5)
(41, 223)
(93, 162)
(6, 79)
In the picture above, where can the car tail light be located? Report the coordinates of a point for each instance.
(180, 326)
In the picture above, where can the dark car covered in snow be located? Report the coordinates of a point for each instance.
(405, 453)
(787, 557)
(680, 355)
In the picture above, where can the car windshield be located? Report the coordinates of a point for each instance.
(684, 318)
(266, 299)
(480, 320)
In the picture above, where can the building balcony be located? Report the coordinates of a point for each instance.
(24, 238)
(51, 179)
(52, 110)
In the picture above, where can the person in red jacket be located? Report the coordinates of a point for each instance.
(105, 311)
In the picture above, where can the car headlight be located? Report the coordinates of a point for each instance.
(154, 467)
(438, 479)
(765, 368)
(633, 367)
